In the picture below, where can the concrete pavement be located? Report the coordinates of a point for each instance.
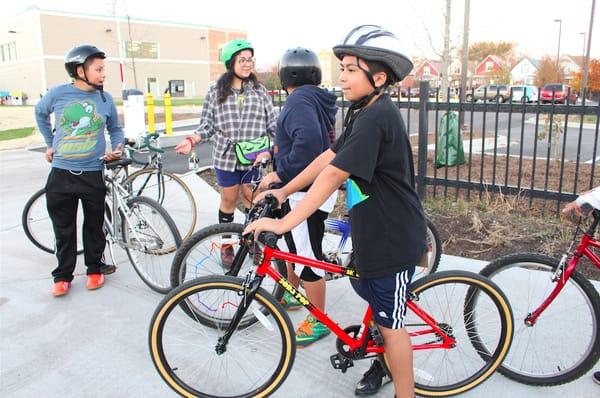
(94, 344)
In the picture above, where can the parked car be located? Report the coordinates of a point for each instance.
(490, 92)
(561, 92)
(525, 94)
(415, 92)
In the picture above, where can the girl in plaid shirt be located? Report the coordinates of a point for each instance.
(236, 108)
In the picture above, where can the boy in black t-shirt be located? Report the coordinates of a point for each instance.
(374, 156)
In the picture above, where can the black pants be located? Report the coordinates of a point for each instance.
(64, 190)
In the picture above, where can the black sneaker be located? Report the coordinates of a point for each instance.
(108, 269)
(596, 377)
(372, 380)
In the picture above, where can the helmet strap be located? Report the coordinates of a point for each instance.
(99, 87)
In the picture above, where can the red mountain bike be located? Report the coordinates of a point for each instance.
(222, 336)
(557, 311)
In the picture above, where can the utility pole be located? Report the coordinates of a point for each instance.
(120, 47)
(558, 52)
(465, 52)
(586, 59)
(446, 54)
(465, 61)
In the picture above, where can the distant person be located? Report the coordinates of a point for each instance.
(82, 112)
(236, 109)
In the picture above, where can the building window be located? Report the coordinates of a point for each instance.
(427, 70)
(140, 49)
(489, 66)
(8, 52)
(524, 68)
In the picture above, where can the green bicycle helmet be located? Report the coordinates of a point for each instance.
(233, 47)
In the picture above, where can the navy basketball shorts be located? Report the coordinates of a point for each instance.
(227, 179)
(387, 297)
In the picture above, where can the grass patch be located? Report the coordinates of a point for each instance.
(12, 134)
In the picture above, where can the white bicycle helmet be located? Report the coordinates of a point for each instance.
(373, 43)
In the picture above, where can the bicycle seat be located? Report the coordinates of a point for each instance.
(113, 164)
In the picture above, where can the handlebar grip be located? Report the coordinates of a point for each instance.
(271, 200)
(147, 143)
(269, 238)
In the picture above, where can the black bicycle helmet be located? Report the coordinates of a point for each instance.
(373, 43)
(78, 55)
(299, 66)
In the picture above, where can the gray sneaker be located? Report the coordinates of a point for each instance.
(372, 380)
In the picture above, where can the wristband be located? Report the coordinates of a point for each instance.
(190, 140)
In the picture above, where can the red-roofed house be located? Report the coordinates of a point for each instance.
(486, 69)
(429, 70)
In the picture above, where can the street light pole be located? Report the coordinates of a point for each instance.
(586, 59)
(559, 34)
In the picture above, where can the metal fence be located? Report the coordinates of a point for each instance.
(547, 153)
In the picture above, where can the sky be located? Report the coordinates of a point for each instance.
(274, 26)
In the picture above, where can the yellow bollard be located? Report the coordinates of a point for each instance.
(150, 113)
(168, 115)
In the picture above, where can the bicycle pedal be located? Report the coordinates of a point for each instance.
(340, 362)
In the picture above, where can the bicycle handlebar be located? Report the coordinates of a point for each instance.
(264, 209)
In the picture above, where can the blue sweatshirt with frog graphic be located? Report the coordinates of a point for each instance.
(81, 117)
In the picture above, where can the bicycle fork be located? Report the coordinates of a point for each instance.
(249, 289)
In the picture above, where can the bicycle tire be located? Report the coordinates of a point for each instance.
(195, 257)
(38, 226)
(156, 240)
(434, 247)
(178, 361)
(454, 319)
(181, 206)
(545, 340)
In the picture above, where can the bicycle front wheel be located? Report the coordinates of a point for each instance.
(447, 297)
(254, 363)
(539, 355)
(150, 239)
(38, 226)
(169, 191)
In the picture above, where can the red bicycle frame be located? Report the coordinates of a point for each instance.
(265, 268)
(583, 249)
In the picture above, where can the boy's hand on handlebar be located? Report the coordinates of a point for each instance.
(265, 224)
(278, 193)
(271, 178)
(114, 155)
(579, 210)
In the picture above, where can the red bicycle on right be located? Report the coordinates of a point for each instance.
(556, 310)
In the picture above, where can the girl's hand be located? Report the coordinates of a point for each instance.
(184, 147)
(261, 156)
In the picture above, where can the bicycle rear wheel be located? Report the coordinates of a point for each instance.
(257, 359)
(201, 255)
(38, 226)
(150, 239)
(539, 355)
(169, 191)
(447, 297)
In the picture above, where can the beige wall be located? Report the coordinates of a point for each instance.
(185, 52)
(25, 73)
(330, 67)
